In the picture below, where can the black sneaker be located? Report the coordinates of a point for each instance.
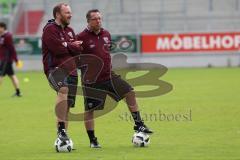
(142, 128)
(62, 135)
(94, 143)
(16, 95)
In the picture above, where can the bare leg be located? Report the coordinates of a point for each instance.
(133, 108)
(15, 81)
(62, 105)
(89, 125)
(131, 101)
(66, 122)
(88, 120)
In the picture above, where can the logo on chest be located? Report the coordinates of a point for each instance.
(91, 44)
(106, 40)
(70, 34)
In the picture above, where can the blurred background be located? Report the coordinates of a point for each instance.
(174, 33)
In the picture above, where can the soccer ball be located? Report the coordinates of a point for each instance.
(63, 146)
(140, 139)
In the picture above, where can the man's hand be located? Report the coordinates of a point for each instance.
(75, 47)
(77, 43)
(19, 64)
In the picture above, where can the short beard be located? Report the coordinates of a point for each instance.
(65, 23)
(97, 29)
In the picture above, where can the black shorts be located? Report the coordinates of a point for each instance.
(95, 94)
(59, 78)
(6, 68)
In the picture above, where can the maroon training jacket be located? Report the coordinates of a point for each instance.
(7, 49)
(96, 45)
(57, 49)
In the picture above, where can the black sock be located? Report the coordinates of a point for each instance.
(91, 134)
(18, 91)
(61, 126)
(137, 118)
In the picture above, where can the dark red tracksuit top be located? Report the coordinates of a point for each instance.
(7, 50)
(57, 49)
(96, 45)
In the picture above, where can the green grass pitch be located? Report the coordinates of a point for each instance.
(205, 104)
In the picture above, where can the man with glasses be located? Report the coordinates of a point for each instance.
(96, 43)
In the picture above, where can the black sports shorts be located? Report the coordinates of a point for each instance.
(95, 94)
(59, 78)
(6, 68)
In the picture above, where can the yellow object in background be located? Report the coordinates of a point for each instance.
(19, 64)
(26, 80)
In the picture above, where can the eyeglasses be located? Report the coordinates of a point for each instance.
(94, 19)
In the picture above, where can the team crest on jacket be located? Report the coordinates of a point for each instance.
(106, 39)
(92, 45)
(70, 34)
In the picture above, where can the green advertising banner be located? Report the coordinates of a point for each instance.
(124, 43)
(28, 45)
(120, 44)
